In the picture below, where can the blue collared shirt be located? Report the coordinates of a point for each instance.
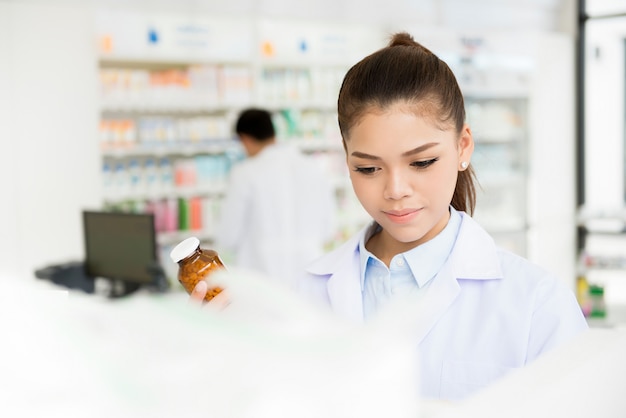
(411, 271)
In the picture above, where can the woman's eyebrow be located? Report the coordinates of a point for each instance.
(420, 149)
(364, 155)
(417, 150)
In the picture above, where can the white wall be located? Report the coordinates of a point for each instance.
(50, 166)
(8, 188)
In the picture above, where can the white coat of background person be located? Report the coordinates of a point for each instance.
(279, 210)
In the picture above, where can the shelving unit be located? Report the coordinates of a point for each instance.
(167, 112)
(520, 72)
(500, 128)
(170, 88)
(603, 262)
(166, 141)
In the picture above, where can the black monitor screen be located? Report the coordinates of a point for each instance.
(119, 245)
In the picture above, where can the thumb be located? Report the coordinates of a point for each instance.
(199, 292)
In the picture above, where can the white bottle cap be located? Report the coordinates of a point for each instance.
(184, 249)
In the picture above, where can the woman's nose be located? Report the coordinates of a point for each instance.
(396, 186)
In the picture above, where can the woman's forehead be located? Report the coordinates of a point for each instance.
(398, 135)
(423, 109)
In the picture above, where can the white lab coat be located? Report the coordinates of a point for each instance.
(278, 213)
(487, 311)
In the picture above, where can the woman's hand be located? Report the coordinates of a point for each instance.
(199, 292)
(219, 301)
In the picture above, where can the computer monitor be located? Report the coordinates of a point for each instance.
(120, 246)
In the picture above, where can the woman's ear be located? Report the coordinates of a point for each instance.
(466, 144)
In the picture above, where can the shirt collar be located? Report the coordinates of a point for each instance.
(364, 254)
(426, 259)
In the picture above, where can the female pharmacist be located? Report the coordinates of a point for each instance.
(485, 311)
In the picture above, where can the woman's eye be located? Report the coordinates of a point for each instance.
(365, 170)
(424, 164)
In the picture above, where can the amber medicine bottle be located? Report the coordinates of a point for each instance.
(195, 264)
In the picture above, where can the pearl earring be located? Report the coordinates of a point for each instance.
(464, 164)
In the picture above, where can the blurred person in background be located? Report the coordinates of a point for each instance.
(279, 210)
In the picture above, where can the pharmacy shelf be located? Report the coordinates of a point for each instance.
(116, 108)
(172, 148)
(140, 125)
(182, 192)
(500, 128)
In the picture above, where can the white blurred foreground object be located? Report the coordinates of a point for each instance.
(585, 378)
(269, 354)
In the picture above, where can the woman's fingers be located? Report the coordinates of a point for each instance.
(218, 302)
(199, 292)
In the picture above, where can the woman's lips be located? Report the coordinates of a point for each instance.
(402, 216)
